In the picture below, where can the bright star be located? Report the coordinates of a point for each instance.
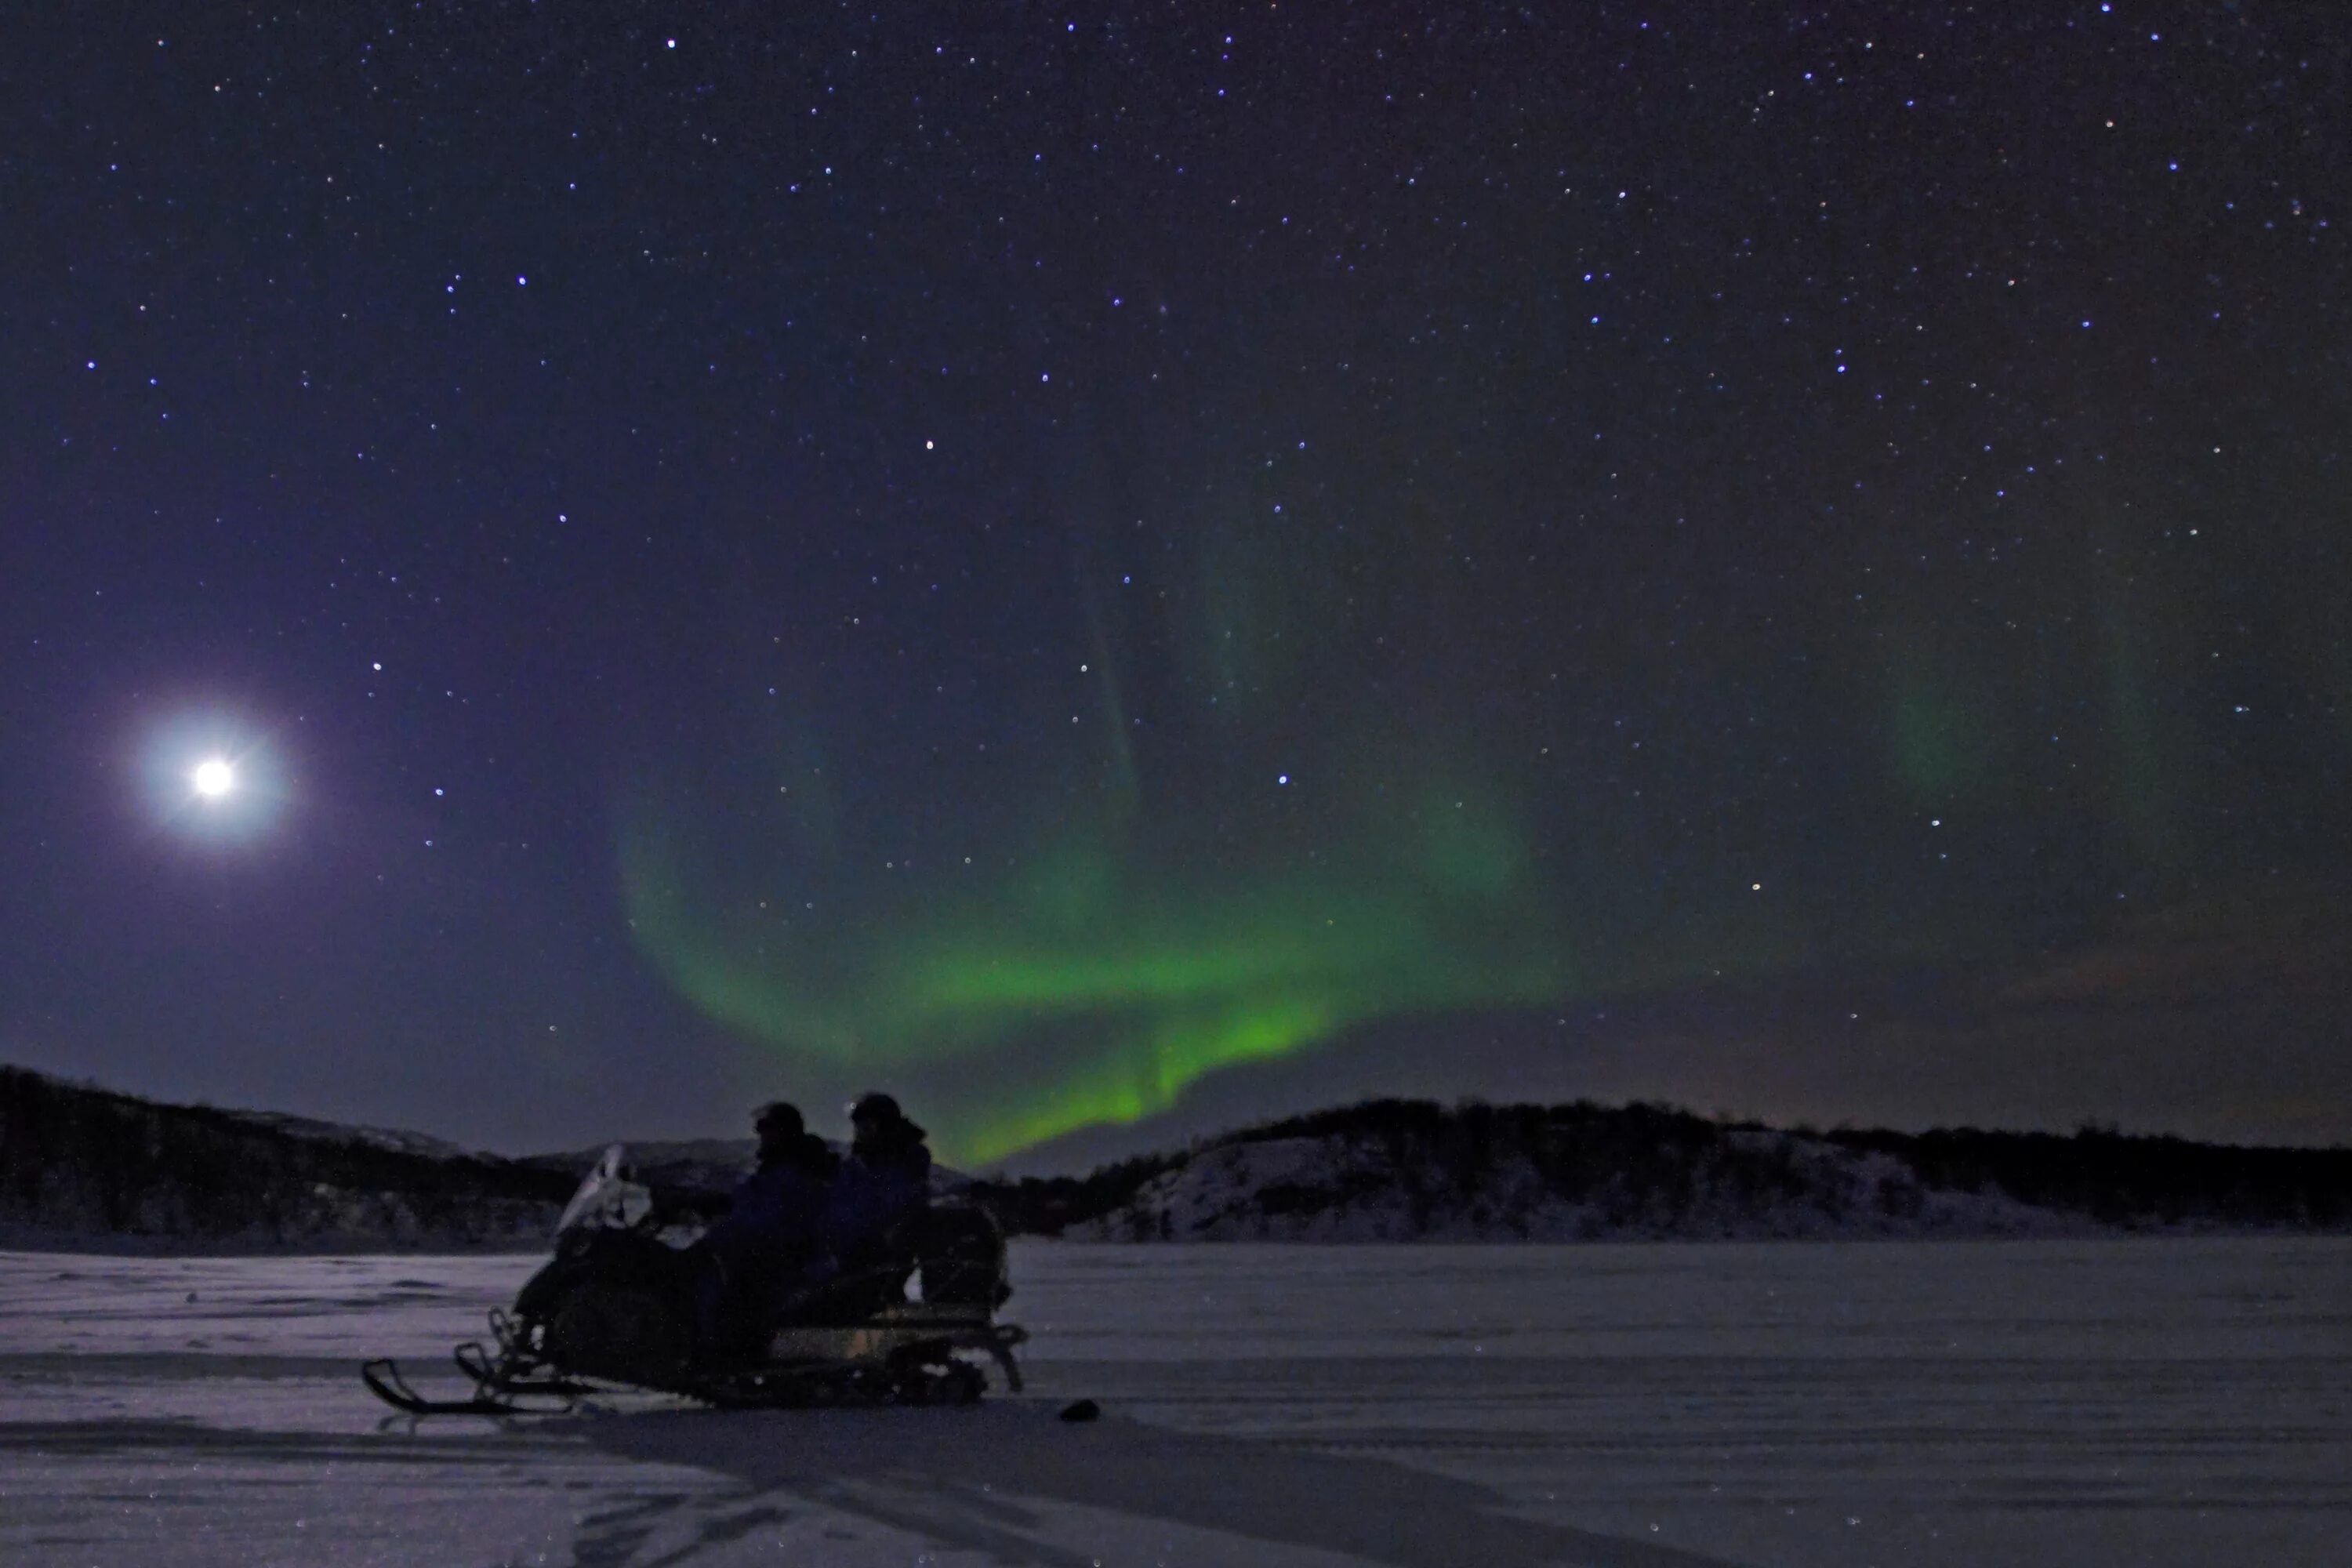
(213, 778)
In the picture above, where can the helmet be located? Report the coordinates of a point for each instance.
(879, 1109)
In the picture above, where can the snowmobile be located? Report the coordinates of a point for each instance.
(617, 1306)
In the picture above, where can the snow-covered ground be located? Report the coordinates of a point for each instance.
(2081, 1403)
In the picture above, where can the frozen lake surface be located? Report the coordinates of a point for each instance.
(1969, 1403)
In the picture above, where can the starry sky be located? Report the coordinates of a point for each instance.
(1117, 570)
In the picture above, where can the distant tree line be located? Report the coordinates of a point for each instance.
(1046, 1205)
(1652, 1164)
(89, 1162)
(2122, 1179)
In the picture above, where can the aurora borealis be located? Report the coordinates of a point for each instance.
(1089, 969)
(1080, 568)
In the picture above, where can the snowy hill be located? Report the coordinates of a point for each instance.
(391, 1138)
(83, 1166)
(686, 1168)
(1339, 1188)
(1395, 1170)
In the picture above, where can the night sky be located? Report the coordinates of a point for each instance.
(1078, 564)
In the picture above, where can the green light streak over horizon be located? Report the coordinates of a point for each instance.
(1137, 983)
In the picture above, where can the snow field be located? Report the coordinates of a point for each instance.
(2134, 1401)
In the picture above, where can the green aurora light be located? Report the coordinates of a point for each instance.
(1056, 888)
(1093, 988)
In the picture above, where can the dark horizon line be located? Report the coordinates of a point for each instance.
(1842, 1130)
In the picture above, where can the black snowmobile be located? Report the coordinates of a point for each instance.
(616, 1306)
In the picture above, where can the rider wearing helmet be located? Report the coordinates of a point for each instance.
(774, 1230)
(882, 1187)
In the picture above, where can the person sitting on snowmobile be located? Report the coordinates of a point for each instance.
(884, 1185)
(773, 1234)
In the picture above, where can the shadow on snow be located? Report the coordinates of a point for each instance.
(967, 1479)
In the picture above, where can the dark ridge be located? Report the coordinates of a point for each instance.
(1046, 1205)
(1655, 1159)
(2122, 1178)
(90, 1165)
(87, 1162)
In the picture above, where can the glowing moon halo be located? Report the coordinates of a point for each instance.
(213, 778)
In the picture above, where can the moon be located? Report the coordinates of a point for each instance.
(213, 778)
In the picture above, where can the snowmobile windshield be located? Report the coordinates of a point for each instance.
(607, 1199)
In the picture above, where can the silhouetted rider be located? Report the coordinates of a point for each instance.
(875, 1205)
(774, 1229)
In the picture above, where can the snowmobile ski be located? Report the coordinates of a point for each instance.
(384, 1380)
(493, 1377)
